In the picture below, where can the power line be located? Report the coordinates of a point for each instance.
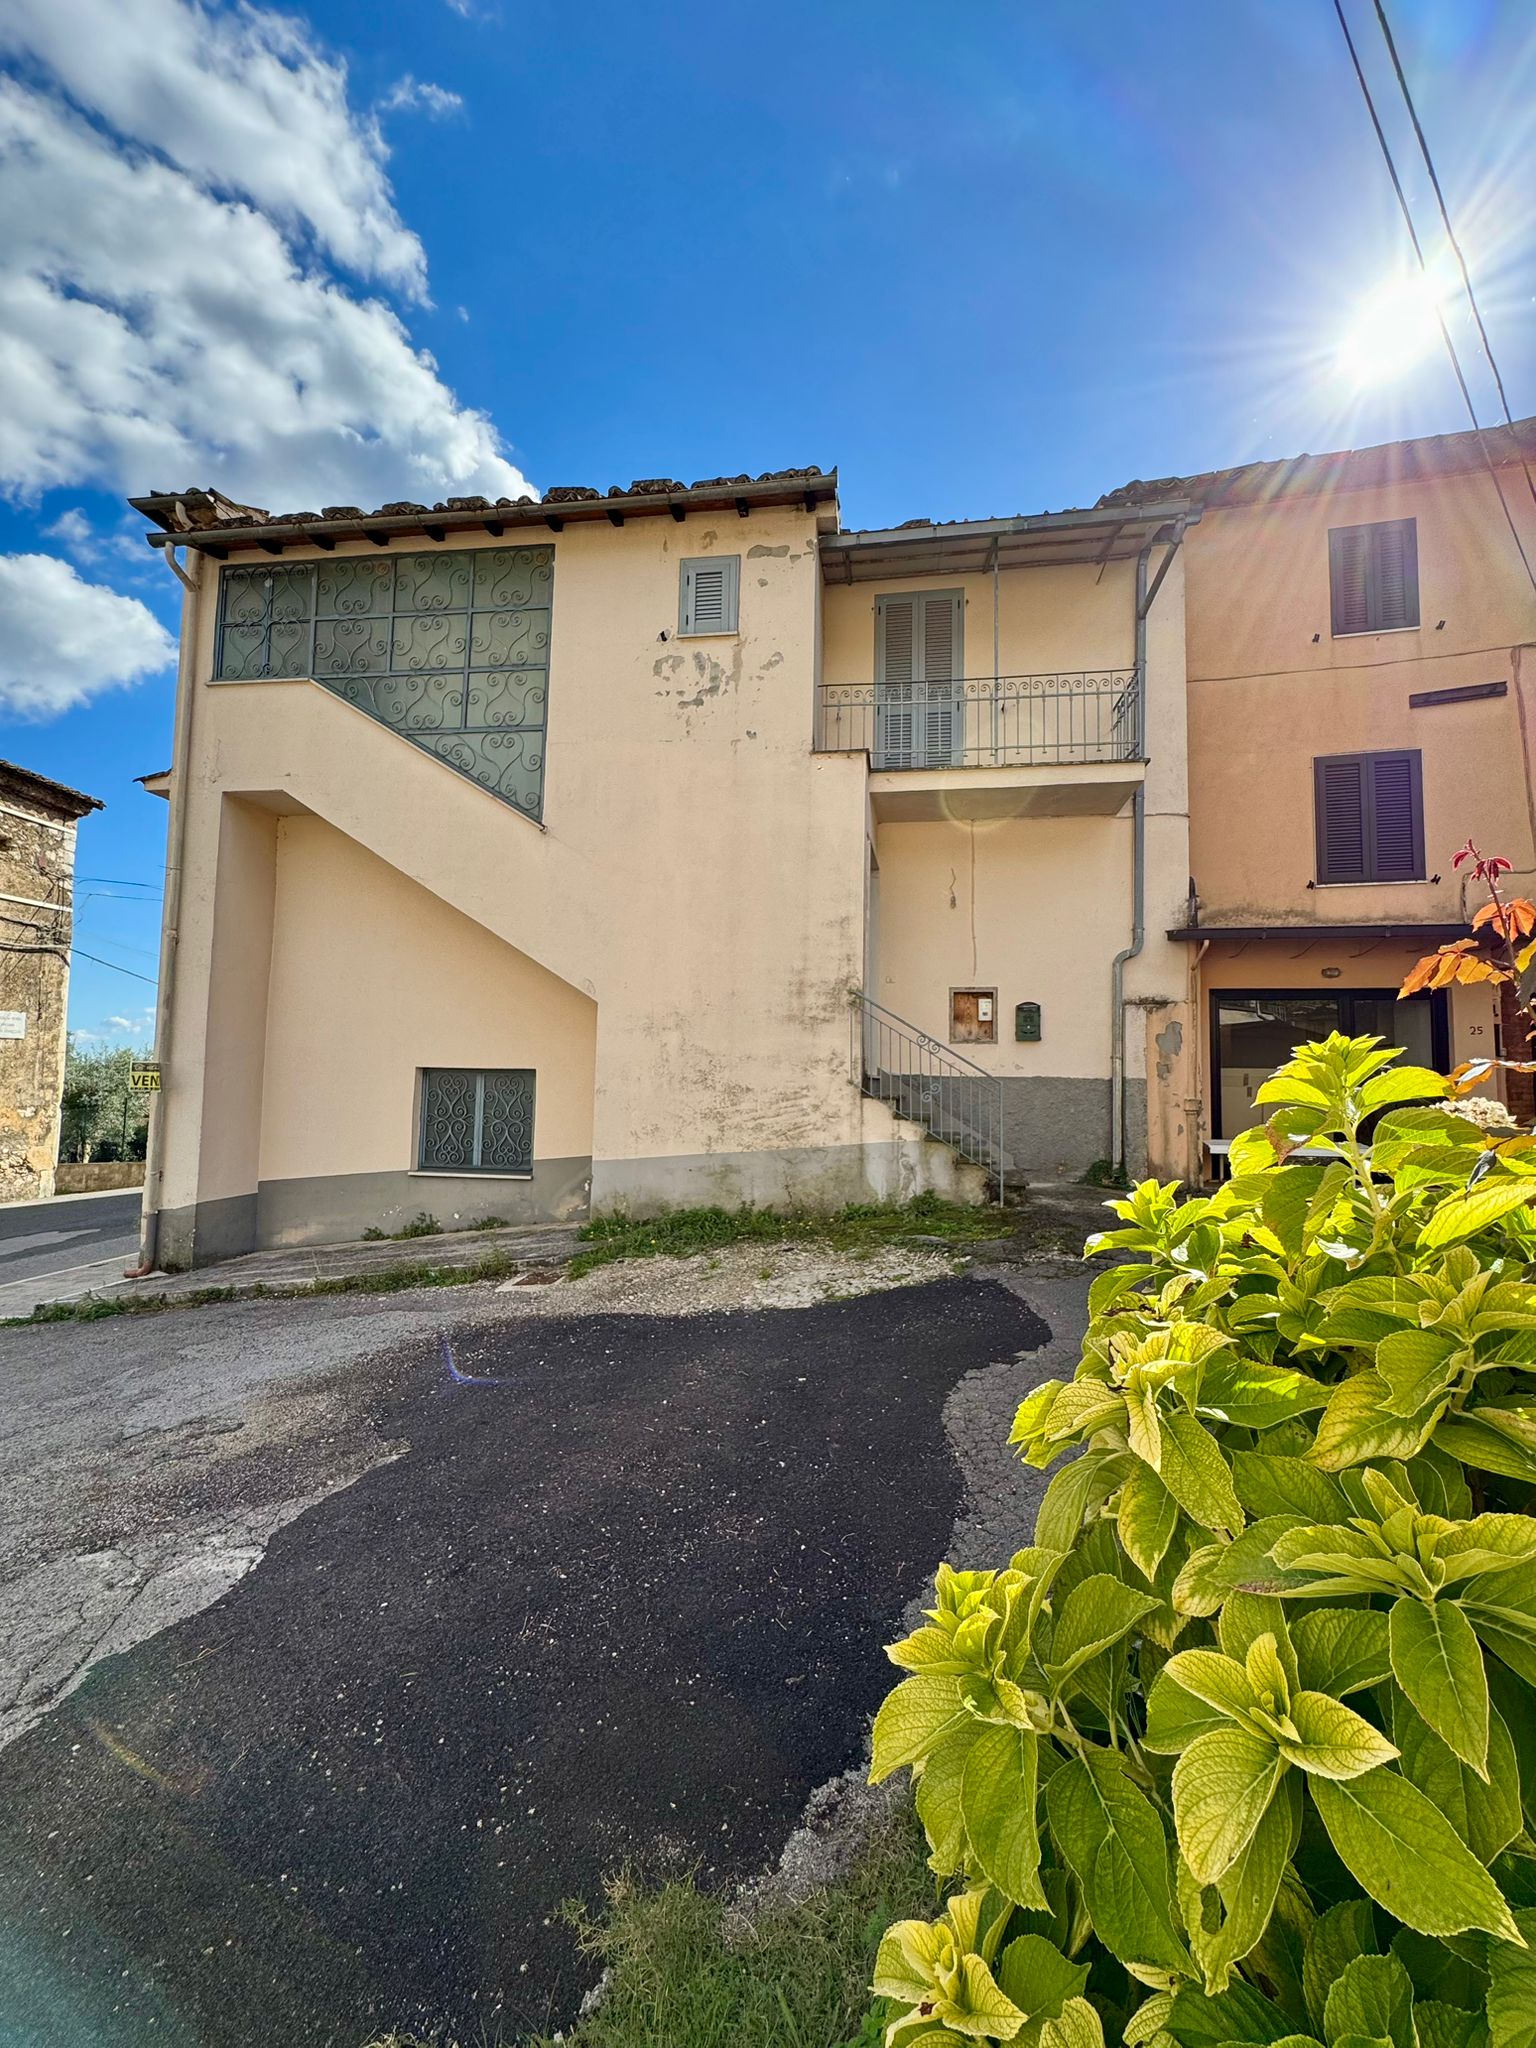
(1450, 232)
(81, 954)
(1445, 332)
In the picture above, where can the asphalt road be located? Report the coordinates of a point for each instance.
(67, 1235)
(593, 1589)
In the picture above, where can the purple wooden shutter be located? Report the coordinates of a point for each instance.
(1396, 817)
(1341, 833)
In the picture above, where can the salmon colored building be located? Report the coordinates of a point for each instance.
(1360, 634)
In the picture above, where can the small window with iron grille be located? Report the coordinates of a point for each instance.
(476, 1120)
(709, 594)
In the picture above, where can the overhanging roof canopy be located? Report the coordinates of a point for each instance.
(963, 547)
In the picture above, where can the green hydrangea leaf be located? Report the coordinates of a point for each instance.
(1098, 1611)
(1238, 2015)
(1372, 1996)
(1449, 2026)
(1464, 1215)
(1405, 1854)
(1242, 1566)
(1358, 1425)
(1486, 1815)
(1198, 1476)
(912, 1721)
(997, 1805)
(1222, 1786)
(1035, 1974)
(1112, 1839)
(938, 1797)
(1340, 1650)
(1416, 1365)
(1227, 1920)
(1147, 1516)
(1076, 2026)
(1492, 1439)
(1512, 1989)
(1269, 1485)
(1332, 1740)
(1336, 1937)
(1437, 1661)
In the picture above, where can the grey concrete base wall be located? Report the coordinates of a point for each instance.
(204, 1232)
(335, 1208)
(1055, 1127)
(338, 1208)
(801, 1176)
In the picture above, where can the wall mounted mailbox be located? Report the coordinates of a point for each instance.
(1026, 1022)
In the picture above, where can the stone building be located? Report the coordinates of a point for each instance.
(37, 886)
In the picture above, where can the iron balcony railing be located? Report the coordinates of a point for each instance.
(1067, 718)
(930, 1084)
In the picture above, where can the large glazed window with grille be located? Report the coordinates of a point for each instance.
(449, 650)
(1373, 574)
(476, 1121)
(1370, 817)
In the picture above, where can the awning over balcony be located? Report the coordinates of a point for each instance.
(960, 547)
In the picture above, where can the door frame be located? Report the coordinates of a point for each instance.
(1439, 1024)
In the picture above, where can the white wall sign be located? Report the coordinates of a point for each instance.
(13, 1023)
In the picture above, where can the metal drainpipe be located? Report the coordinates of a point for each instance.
(181, 746)
(1138, 897)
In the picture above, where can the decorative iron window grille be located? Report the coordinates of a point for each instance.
(449, 650)
(476, 1121)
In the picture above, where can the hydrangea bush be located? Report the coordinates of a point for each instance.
(1241, 1748)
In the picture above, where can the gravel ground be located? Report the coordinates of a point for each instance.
(737, 1276)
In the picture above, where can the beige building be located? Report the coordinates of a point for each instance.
(665, 847)
(678, 845)
(38, 818)
(1361, 695)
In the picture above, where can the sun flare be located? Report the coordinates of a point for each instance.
(1391, 331)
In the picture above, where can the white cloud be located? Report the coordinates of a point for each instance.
(154, 333)
(242, 100)
(180, 187)
(75, 531)
(63, 640)
(416, 95)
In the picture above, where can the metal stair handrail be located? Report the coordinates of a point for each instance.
(954, 1099)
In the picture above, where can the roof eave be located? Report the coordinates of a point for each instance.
(272, 536)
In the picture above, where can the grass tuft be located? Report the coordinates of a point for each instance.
(685, 1968)
(864, 1226)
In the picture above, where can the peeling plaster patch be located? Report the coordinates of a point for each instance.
(1170, 1043)
(756, 554)
(773, 661)
(712, 678)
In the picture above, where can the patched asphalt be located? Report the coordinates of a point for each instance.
(623, 1597)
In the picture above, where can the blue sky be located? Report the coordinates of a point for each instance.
(986, 259)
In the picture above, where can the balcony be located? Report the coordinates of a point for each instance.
(992, 746)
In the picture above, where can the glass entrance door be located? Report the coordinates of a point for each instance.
(1254, 1030)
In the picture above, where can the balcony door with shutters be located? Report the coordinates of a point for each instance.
(919, 695)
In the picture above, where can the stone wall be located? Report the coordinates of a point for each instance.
(96, 1176)
(37, 860)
